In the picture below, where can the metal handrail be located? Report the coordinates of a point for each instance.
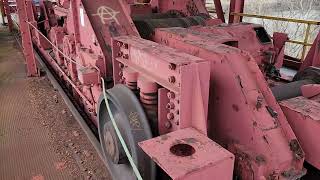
(301, 21)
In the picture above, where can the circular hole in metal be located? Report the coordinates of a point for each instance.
(182, 150)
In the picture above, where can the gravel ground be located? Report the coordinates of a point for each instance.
(76, 153)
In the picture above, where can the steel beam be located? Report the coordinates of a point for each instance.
(8, 14)
(219, 10)
(236, 6)
(26, 39)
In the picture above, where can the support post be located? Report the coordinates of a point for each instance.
(8, 14)
(26, 39)
(2, 11)
(236, 6)
(219, 10)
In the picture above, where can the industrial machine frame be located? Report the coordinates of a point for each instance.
(190, 94)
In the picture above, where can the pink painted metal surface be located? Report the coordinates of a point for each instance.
(303, 116)
(27, 40)
(243, 114)
(219, 10)
(186, 7)
(185, 76)
(279, 41)
(248, 37)
(187, 154)
(313, 57)
(310, 90)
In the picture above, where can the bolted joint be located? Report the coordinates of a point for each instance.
(171, 95)
(168, 125)
(171, 79)
(170, 116)
(170, 105)
(172, 66)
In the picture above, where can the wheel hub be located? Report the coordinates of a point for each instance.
(113, 146)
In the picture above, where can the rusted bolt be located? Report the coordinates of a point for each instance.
(170, 105)
(120, 73)
(172, 66)
(120, 53)
(119, 44)
(171, 95)
(172, 79)
(125, 56)
(177, 122)
(168, 124)
(170, 116)
(121, 65)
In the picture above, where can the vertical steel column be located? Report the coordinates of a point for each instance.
(26, 39)
(2, 11)
(236, 6)
(219, 10)
(8, 14)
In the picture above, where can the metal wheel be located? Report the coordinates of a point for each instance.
(134, 127)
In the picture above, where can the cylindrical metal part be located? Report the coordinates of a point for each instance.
(289, 90)
(310, 75)
(146, 27)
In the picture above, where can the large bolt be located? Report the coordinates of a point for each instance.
(125, 56)
(171, 95)
(120, 53)
(170, 116)
(170, 105)
(121, 65)
(172, 79)
(168, 124)
(172, 66)
(119, 44)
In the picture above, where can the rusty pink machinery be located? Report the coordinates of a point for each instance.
(191, 94)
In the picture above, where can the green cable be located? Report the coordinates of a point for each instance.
(123, 144)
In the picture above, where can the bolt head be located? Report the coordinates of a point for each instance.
(168, 125)
(171, 95)
(171, 79)
(170, 116)
(172, 66)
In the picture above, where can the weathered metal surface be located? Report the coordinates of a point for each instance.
(303, 117)
(310, 90)
(313, 56)
(187, 154)
(26, 39)
(184, 75)
(219, 80)
(243, 114)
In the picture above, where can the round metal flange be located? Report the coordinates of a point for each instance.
(134, 127)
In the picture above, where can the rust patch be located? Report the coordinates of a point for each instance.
(164, 137)
(190, 140)
(260, 160)
(296, 149)
(235, 107)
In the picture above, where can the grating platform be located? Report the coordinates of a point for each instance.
(35, 146)
(24, 143)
